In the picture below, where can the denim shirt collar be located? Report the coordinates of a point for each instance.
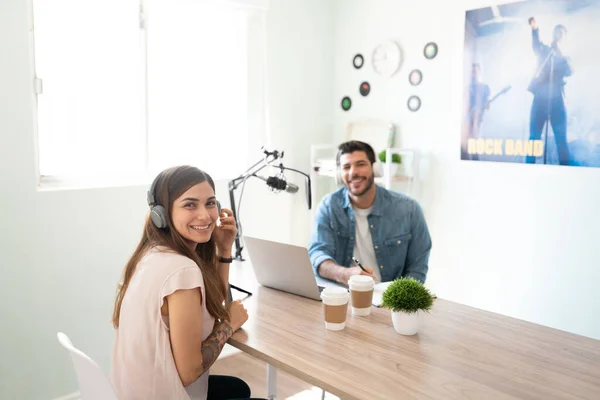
(377, 208)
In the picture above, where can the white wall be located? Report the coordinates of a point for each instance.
(62, 252)
(519, 240)
(300, 40)
(300, 89)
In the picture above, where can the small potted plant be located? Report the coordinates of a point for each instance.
(396, 161)
(407, 298)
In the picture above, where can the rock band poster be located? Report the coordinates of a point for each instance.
(531, 74)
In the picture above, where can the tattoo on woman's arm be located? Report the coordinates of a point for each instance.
(212, 346)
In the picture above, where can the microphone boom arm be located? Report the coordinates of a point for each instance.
(266, 161)
(233, 184)
(256, 167)
(307, 184)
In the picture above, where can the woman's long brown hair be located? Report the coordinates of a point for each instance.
(170, 185)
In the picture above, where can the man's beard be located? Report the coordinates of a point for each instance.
(370, 181)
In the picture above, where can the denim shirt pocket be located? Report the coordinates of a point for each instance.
(342, 238)
(397, 248)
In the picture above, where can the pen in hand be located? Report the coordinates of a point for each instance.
(359, 264)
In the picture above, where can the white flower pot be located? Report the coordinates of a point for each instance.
(393, 169)
(400, 170)
(404, 323)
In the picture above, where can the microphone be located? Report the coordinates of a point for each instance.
(279, 184)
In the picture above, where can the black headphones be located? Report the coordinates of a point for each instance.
(158, 214)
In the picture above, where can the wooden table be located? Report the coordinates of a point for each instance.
(459, 353)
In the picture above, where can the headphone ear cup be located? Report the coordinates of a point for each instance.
(159, 216)
(377, 169)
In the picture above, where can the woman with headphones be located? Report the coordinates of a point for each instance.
(171, 312)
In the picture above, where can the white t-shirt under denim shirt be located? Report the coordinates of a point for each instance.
(142, 365)
(363, 244)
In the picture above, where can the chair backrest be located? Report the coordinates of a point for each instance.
(379, 134)
(93, 383)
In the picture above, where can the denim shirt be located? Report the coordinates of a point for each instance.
(398, 230)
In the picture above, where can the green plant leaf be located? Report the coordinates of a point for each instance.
(396, 158)
(408, 295)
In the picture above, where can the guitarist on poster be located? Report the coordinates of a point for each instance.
(479, 103)
(548, 88)
(479, 95)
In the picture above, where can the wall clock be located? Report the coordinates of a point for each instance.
(387, 58)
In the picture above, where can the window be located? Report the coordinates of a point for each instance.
(130, 87)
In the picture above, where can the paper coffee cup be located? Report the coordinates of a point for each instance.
(361, 294)
(335, 307)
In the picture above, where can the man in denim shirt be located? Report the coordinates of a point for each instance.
(386, 231)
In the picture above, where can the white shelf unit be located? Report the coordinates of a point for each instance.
(381, 135)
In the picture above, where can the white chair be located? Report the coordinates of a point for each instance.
(93, 384)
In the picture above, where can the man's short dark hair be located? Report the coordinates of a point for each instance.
(352, 146)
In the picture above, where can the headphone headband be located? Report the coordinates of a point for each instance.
(150, 193)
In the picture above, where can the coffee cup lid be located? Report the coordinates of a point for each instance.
(361, 280)
(334, 292)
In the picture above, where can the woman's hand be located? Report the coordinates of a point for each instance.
(237, 314)
(225, 233)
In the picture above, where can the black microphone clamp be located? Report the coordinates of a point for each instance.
(271, 156)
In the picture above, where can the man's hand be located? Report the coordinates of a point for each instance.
(357, 271)
(532, 23)
(330, 270)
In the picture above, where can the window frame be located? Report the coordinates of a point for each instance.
(66, 182)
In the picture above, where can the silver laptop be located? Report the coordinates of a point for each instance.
(283, 266)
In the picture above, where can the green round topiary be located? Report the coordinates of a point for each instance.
(396, 158)
(407, 295)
